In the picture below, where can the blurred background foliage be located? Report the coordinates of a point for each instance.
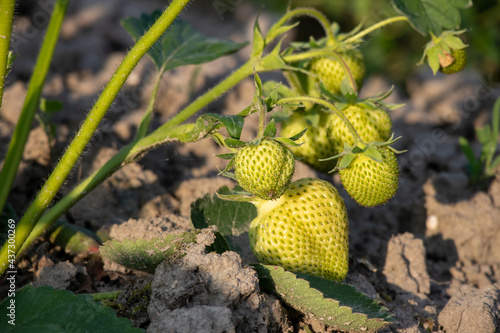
(395, 50)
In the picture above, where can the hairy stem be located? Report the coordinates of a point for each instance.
(31, 102)
(6, 18)
(374, 27)
(325, 23)
(134, 151)
(83, 136)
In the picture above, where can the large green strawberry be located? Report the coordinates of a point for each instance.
(316, 143)
(369, 182)
(331, 72)
(372, 124)
(264, 169)
(305, 230)
(457, 61)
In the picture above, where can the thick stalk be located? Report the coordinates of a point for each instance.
(6, 18)
(327, 105)
(18, 141)
(374, 27)
(325, 23)
(83, 136)
(307, 55)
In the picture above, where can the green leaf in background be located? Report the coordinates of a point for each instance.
(432, 15)
(50, 106)
(338, 305)
(230, 217)
(45, 310)
(146, 255)
(181, 44)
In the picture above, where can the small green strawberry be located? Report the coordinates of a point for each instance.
(453, 62)
(305, 230)
(331, 72)
(264, 169)
(372, 124)
(367, 181)
(316, 143)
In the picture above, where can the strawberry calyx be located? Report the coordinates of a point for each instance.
(439, 52)
(370, 150)
(348, 97)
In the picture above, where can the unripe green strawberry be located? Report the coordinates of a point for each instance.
(371, 125)
(369, 182)
(458, 61)
(305, 230)
(331, 72)
(316, 144)
(265, 169)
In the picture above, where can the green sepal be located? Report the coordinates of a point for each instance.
(270, 131)
(357, 150)
(227, 156)
(258, 40)
(218, 138)
(275, 32)
(346, 160)
(228, 167)
(232, 123)
(288, 142)
(228, 174)
(298, 135)
(374, 154)
(233, 143)
(241, 197)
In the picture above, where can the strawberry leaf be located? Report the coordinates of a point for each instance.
(44, 309)
(232, 123)
(181, 45)
(230, 217)
(432, 15)
(337, 305)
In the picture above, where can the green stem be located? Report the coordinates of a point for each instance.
(75, 149)
(146, 118)
(327, 105)
(202, 101)
(307, 55)
(374, 27)
(18, 141)
(133, 152)
(325, 23)
(6, 16)
(347, 72)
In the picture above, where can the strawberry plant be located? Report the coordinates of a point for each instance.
(482, 168)
(301, 225)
